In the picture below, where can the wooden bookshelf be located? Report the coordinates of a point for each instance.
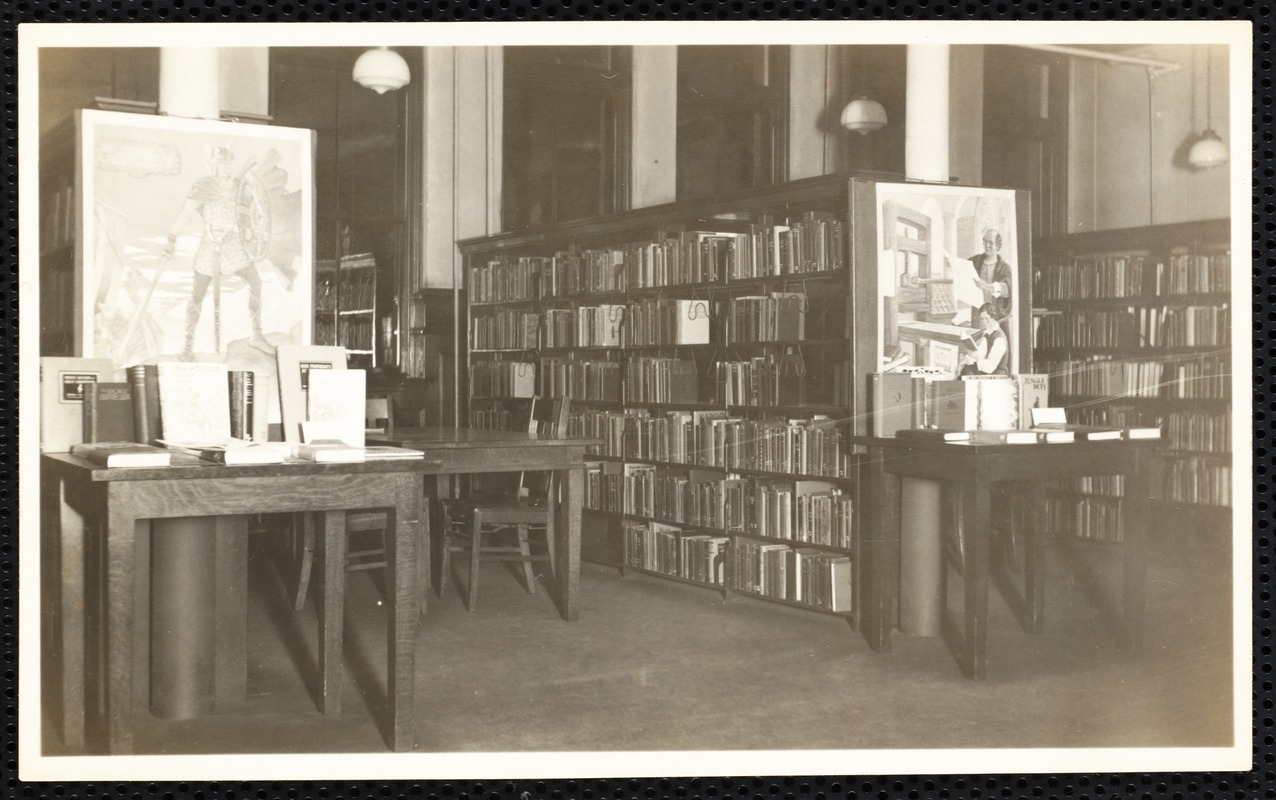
(346, 307)
(1164, 358)
(633, 316)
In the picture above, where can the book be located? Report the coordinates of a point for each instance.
(241, 403)
(1086, 433)
(897, 400)
(1034, 392)
(339, 397)
(122, 454)
(387, 453)
(296, 362)
(1054, 435)
(194, 401)
(1011, 436)
(62, 382)
(692, 322)
(108, 412)
(956, 405)
(236, 453)
(328, 451)
(933, 434)
(1142, 432)
(998, 399)
(144, 378)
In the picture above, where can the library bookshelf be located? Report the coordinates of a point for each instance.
(1136, 331)
(709, 345)
(345, 306)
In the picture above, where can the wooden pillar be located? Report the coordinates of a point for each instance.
(925, 158)
(189, 82)
(183, 622)
(655, 126)
(926, 113)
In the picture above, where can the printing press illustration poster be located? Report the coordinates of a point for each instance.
(196, 238)
(953, 280)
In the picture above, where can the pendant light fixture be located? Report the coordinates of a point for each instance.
(863, 114)
(1209, 150)
(381, 70)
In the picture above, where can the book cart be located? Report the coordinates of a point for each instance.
(1137, 332)
(710, 346)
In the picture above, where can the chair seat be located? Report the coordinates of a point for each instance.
(471, 526)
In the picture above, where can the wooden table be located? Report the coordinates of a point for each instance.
(472, 451)
(90, 603)
(973, 470)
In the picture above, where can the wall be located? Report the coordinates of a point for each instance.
(1123, 171)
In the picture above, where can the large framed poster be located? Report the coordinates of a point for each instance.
(196, 238)
(951, 278)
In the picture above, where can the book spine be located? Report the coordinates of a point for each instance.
(141, 421)
(90, 412)
(241, 403)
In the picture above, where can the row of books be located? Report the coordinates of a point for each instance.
(655, 547)
(1200, 480)
(1198, 377)
(811, 577)
(778, 316)
(1198, 432)
(811, 446)
(814, 512)
(1145, 326)
(1134, 276)
(503, 379)
(1095, 518)
(813, 242)
(762, 381)
(767, 381)
(1189, 431)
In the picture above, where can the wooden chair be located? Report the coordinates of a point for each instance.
(472, 525)
(363, 551)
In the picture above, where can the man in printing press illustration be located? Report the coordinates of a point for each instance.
(236, 218)
(994, 276)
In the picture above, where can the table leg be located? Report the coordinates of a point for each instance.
(567, 546)
(63, 589)
(974, 647)
(118, 629)
(331, 610)
(1035, 557)
(401, 554)
(880, 554)
(230, 585)
(1134, 559)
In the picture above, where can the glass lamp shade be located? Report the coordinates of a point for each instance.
(863, 115)
(381, 70)
(1208, 151)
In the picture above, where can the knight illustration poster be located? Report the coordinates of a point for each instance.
(196, 238)
(948, 275)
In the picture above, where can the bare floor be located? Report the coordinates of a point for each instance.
(655, 665)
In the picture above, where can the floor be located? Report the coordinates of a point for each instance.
(656, 665)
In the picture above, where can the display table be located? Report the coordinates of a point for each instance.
(470, 451)
(92, 520)
(973, 470)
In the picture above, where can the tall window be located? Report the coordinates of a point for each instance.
(732, 118)
(566, 133)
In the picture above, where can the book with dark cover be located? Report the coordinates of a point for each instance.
(144, 378)
(933, 434)
(241, 403)
(122, 454)
(108, 412)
